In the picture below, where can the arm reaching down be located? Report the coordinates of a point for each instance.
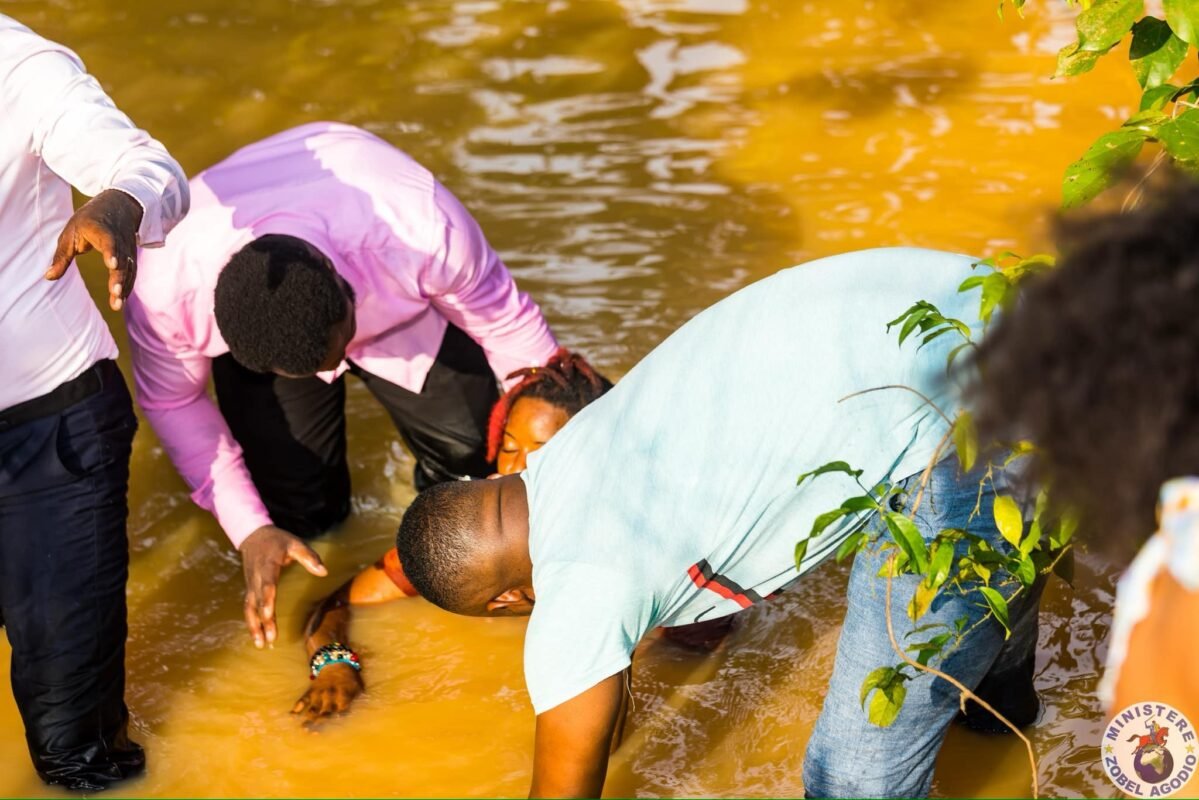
(574, 739)
(138, 191)
(335, 687)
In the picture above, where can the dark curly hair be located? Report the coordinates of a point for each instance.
(1098, 364)
(276, 303)
(567, 381)
(437, 543)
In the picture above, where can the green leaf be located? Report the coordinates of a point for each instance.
(940, 563)
(1183, 16)
(852, 544)
(832, 466)
(1146, 121)
(1094, 172)
(1191, 88)
(1155, 53)
(824, 520)
(954, 353)
(998, 607)
(863, 503)
(908, 537)
(1030, 542)
(1019, 449)
(876, 678)
(1025, 570)
(1158, 97)
(885, 705)
(965, 438)
(1008, 519)
(1072, 61)
(912, 309)
(922, 600)
(1180, 136)
(972, 282)
(910, 325)
(1064, 531)
(937, 334)
(1106, 22)
(801, 550)
(995, 287)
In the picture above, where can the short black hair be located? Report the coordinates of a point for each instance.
(437, 543)
(276, 303)
(1098, 363)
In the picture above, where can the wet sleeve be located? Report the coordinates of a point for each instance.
(171, 381)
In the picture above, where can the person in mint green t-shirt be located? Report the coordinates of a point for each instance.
(673, 500)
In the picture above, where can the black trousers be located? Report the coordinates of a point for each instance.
(64, 561)
(293, 430)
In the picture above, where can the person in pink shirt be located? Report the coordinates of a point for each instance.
(319, 251)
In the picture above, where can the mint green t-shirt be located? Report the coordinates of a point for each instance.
(673, 498)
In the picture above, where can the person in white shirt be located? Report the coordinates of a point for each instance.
(66, 419)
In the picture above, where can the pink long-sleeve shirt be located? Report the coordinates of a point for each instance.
(414, 256)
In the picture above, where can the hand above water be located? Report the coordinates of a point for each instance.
(331, 692)
(264, 554)
(108, 223)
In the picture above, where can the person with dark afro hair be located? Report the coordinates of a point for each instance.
(1098, 366)
(529, 414)
(318, 252)
(672, 500)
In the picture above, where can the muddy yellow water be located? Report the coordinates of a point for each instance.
(633, 161)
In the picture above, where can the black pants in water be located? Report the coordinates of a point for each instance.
(293, 430)
(64, 560)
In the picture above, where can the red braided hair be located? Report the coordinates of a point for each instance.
(566, 381)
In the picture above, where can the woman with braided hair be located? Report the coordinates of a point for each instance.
(522, 420)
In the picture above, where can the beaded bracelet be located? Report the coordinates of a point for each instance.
(333, 653)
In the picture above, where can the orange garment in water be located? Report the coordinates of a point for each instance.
(1162, 664)
(1154, 650)
(395, 570)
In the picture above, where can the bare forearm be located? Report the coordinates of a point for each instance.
(330, 620)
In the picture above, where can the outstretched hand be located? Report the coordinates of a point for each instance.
(264, 554)
(107, 223)
(331, 692)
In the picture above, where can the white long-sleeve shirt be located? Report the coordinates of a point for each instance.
(59, 129)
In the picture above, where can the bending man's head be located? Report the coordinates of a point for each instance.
(281, 307)
(465, 547)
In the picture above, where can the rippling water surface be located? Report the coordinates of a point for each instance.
(634, 161)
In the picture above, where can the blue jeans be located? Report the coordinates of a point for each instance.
(847, 755)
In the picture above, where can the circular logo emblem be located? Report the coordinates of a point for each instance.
(1150, 750)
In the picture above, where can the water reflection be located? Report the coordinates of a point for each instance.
(633, 161)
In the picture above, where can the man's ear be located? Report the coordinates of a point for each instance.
(513, 601)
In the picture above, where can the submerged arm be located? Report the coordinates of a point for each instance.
(336, 686)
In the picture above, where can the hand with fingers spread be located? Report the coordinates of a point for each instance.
(331, 692)
(107, 223)
(264, 554)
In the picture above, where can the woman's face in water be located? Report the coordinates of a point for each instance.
(531, 423)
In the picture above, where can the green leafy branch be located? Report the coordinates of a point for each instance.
(1167, 114)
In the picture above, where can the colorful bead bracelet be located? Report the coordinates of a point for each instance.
(333, 653)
